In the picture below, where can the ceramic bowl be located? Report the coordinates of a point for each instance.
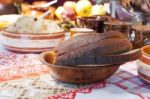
(77, 74)
(144, 64)
(19, 42)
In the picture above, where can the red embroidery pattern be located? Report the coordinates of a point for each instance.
(15, 66)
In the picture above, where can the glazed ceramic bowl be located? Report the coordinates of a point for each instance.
(144, 64)
(77, 74)
(28, 43)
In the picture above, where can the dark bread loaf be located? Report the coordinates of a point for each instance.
(93, 40)
(93, 45)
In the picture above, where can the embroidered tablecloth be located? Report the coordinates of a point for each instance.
(23, 76)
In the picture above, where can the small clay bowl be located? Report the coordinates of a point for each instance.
(144, 64)
(77, 74)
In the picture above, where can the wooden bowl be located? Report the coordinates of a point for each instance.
(28, 43)
(146, 52)
(144, 64)
(77, 74)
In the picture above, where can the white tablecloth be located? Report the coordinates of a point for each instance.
(124, 84)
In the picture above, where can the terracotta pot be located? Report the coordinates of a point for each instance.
(144, 64)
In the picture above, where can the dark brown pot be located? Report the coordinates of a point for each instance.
(94, 22)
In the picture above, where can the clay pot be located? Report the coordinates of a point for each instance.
(94, 22)
(144, 64)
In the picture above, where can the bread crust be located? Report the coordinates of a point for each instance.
(86, 39)
(102, 46)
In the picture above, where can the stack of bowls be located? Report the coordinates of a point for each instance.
(144, 64)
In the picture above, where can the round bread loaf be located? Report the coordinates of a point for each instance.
(84, 48)
(91, 39)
